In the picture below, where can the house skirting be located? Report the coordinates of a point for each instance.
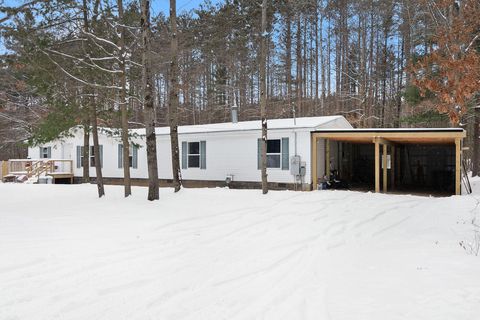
(204, 184)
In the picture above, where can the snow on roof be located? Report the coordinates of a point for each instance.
(274, 124)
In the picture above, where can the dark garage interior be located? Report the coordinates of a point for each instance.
(418, 168)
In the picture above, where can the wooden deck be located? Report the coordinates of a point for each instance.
(31, 168)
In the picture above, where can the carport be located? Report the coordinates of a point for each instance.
(390, 160)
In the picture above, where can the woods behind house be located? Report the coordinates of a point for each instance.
(389, 63)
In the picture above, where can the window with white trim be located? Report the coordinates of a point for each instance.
(274, 153)
(132, 156)
(45, 152)
(194, 154)
(91, 155)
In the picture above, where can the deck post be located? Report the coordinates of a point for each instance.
(458, 153)
(377, 167)
(327, 158)
(4, 168)
(314, 162)
(385, 173)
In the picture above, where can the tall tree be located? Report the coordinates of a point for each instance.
(148, 101)
(123, 102)
(263, 97)
(93, 118)
(173, 97)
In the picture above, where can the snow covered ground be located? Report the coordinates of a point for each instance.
(234, 254)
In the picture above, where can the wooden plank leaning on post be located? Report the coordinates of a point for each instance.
(392, 167)
(385, 173)
(458, 153)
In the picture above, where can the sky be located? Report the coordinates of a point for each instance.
(182, 5)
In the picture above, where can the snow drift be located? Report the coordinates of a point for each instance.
(234, 254)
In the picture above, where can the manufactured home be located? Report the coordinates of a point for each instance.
(227, 154)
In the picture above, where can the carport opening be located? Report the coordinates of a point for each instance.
(411, 168)
(425, 168)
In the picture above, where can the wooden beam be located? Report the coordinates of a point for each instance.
(385, 173)
(387, 135)
(458, 154)
(327, 158)
(314, 163)
(382, 141)
(377, 167)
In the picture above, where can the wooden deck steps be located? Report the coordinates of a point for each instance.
(13, 170)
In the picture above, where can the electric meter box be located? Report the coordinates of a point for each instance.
(295, 165)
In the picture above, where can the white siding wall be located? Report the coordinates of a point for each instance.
(236, 154)
(227, 153)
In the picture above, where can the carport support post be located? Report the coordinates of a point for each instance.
(327, 158)
(377, 167)
(458, 153)
(385, 174)
(314, 162)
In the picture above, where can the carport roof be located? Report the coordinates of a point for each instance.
(393, 135)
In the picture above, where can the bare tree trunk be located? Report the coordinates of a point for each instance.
(317, 43)
(288, 55)
(298, 54)
(123, 105)
(362, 62)
(322, 62)
(263, 98)
(149, 109)
(86, 152)
(96, 149)
(173, 106)
(93, 120)
(329, 58)
(370, 92)
(304, 64)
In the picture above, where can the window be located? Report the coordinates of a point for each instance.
(80, 150)
(45, 152)
(277, 153)
(274, 153)
(194, 154)
(132, 158)
(80, 156)
(92, 156)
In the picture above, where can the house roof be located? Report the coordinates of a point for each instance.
(312, 123)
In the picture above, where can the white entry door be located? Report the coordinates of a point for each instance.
(67, 154)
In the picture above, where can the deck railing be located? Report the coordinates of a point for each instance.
(37, 167)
